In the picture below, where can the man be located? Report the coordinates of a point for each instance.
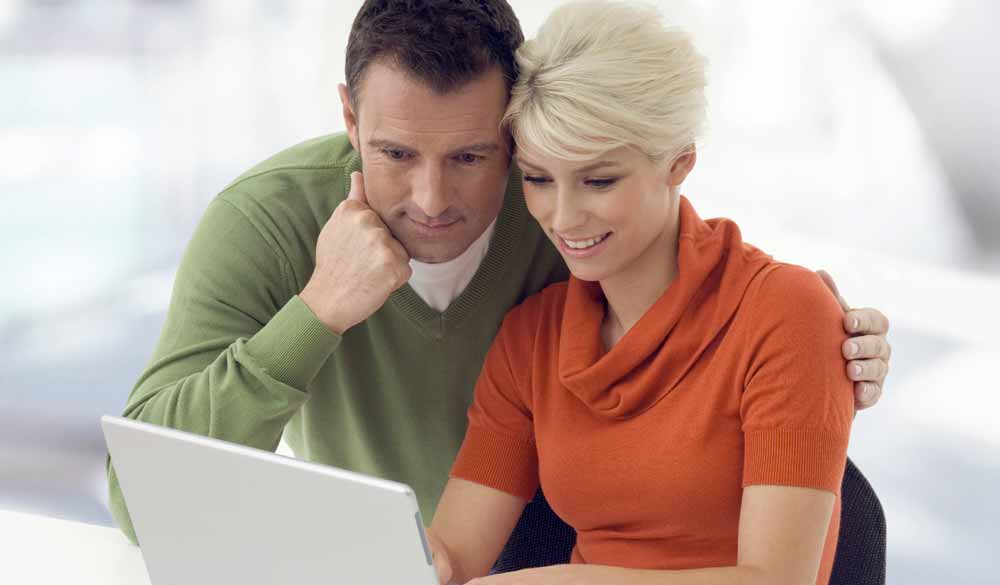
(351, 312)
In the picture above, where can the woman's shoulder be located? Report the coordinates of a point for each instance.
(537, 315)
(780, 281)
(788, 294)
(547, 302)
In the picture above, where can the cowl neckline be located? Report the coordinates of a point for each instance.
(715, 267)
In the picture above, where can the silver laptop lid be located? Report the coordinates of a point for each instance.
(208, 511)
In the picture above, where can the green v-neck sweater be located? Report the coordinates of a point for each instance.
(243, 359)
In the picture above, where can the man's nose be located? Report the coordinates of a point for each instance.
(429, 191)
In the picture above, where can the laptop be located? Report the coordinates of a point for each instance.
(207, 511)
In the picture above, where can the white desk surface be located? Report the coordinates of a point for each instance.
(40, 550)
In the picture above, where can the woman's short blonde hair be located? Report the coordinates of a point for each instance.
(601, 75)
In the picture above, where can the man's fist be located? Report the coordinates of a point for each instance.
(358, 264)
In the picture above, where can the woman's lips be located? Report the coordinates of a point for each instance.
(587, 252)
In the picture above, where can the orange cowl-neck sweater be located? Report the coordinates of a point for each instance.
(733, 377)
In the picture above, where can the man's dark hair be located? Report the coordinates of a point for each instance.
(443, 43)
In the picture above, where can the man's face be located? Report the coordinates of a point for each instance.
(435, 166)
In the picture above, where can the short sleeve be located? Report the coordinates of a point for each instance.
(798, 403)
(499, 446)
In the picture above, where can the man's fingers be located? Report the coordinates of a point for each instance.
(405, 272)
(393, 259)
(866, 394)
(866, 322)
(357, 192)
(867, 370)
(397, 248)
(830, 284)
(866, 347)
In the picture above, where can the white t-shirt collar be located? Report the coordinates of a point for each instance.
(441, 283)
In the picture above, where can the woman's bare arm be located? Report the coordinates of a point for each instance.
(781, 537)
(470, 528)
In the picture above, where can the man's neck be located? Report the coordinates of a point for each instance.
(441, 283)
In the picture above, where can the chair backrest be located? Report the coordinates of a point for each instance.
(541, 538)
(860, 558)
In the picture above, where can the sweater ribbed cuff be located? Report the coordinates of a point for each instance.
(497, 461)
(294, 345)
(803, 458)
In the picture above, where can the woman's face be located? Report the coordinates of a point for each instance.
(608, 216)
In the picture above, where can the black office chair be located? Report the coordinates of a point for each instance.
(541, 538)
(860, 558)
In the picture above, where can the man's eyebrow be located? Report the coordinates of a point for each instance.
(479, 147)
(387, 144)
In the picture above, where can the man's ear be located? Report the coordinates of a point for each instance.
(681, 166)
(350, 117)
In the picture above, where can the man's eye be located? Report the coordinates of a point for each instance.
(469, 158)
(395, 153)
(535, 180)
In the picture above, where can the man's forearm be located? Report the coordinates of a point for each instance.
(245, 395)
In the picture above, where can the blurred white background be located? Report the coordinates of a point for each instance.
(856, 136)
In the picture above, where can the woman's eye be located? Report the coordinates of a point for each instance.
(535, 180)
(469, 158)
(601, 183)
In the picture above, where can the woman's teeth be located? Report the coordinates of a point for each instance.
(581, 244)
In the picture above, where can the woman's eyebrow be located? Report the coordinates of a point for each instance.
(597, 165)
(591, 167)
(523, 163)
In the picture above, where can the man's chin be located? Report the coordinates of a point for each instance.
(433, 253)
(433, 248)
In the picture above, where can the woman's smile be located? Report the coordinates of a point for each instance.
(583, 247)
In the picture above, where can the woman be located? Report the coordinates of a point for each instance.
(682, 399)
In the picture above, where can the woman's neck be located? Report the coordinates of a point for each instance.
(632, 291)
